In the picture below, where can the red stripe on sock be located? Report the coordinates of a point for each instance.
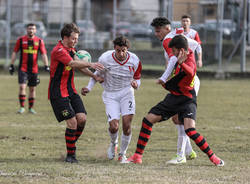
(70, 145)
(69, 138)
(142, 142)
(144, 135)
(140, 151)
(198, 139)
(144, 125)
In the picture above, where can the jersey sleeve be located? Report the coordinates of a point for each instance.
(197, 38)
(189, 66)
(17, 46)
(166, 48)
(42, 47)
(137, 74)
(63, 56)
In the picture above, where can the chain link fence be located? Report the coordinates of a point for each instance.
(95, 21)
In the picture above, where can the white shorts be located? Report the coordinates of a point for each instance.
(119, 103)
(196, 84)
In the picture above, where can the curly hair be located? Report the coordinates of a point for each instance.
(121, 41)
(160, 21)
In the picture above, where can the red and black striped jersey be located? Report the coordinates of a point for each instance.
(29, 48)
(183, 81)
(61, 75)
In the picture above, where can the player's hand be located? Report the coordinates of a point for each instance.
(134, 84)
(199, 63)
(159, 81)
(46, 68)
(182, 56)
(98, 79)
(84, 91)
(11, 69)
(97, 66)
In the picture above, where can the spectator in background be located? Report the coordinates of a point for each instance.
(28, 45)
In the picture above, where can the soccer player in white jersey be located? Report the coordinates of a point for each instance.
(193, 34)
(121, 76)
(163, 32)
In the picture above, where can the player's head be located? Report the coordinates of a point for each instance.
(178, 43)
(121, 46)
(186, 21)
(31, 29)
(69, 34)
(162, 26)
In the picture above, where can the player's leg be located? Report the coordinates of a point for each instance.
(112, 107)
(22, 78)
(63, 111)
(127, 110)
(180, 157)
(201, 142)
(81, 114)
(125, 138)
(32, 82)
(156, 114)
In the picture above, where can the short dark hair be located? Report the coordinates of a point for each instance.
(30, 24)
(160, 21)
(68, 29)
(121, 41)
(186, 16)
(178, 42)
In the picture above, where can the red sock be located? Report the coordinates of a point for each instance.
(144, 136)
(70, 141)
(22, 100)
(78, 133)
(199, 141)
(31, 102)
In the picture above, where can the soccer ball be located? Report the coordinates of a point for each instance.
(83, 55)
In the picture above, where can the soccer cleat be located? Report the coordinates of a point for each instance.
(112, 150)
(32, 111)
(21, 110)
(136, 158)
(177, 160)
(122, 159)
(192, 155)
(71, 159)
(217, 161)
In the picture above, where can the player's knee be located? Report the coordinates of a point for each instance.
(114, 126)
(175, 120)
(81, 121)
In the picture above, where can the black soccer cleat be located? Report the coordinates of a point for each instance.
(71, 159)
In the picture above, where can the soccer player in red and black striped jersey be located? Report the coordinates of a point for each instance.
(65, 101)
(29, 45)
(181, 100)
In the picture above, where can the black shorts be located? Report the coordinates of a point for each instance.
(24, 76)
(66, 108)
(172, 104)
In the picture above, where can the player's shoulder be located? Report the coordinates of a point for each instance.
(106, 54)
(58, 48)
(193, 31)
(133, 56)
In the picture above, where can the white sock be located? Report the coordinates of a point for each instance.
(182, 140)
(189, 148)
(125, 140)
(113, 137)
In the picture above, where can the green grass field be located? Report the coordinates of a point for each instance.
(32, 147)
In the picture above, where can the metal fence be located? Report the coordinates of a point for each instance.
(96, 22)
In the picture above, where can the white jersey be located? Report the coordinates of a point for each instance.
(118, 75)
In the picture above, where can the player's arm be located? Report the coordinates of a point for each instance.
(46, 62)
(92, 82)
(76, 63)
(87, 72)
(13, 56)
(198, 50)
(168, 71)
(199, 54)
(136, 82)
(186, 64)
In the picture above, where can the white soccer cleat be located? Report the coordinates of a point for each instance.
(122, 159)
(177, 160)
(112, 150)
